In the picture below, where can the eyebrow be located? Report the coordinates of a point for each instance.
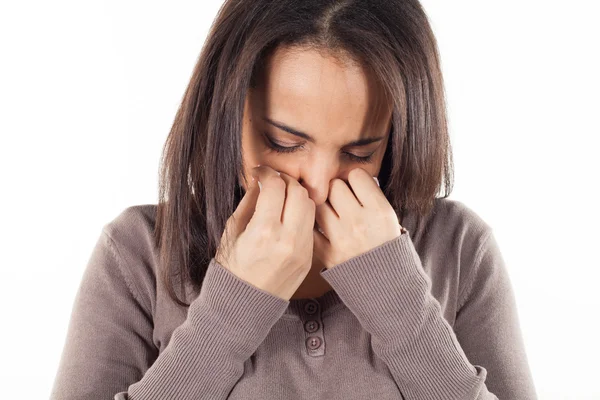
(293, 131)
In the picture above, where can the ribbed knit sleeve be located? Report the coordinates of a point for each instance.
(389, 293)
(109, 352)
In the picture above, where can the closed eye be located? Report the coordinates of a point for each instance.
(284, 149)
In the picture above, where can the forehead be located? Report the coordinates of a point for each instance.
(322, 95)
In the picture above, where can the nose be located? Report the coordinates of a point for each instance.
(316, 179)
(317, 192)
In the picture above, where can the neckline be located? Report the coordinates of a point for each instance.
(327, 302)
(330, 301)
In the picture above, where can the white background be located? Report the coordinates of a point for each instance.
(88, 92)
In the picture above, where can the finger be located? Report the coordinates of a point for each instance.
(365, 187)
(296, 215)
(271, 198)
(325, 217)
(245, 209)
(342, 200)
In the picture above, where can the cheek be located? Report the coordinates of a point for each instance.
(252, 154)
(255, 150)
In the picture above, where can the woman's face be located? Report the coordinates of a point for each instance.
(330, 105)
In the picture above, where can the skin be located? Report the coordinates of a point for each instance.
(335, 102)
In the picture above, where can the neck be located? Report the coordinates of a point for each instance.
(313, 285)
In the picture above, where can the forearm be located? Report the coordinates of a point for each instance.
(388, 291)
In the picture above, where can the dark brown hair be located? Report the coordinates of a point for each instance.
(201, 164)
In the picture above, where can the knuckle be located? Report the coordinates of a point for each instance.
(263, 232)
(287, 246)
(359, 228)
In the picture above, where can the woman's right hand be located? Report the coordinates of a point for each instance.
(268, 240)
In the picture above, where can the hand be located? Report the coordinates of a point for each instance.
(267, 241)
(354, 220)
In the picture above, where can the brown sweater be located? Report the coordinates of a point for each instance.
(428, 315)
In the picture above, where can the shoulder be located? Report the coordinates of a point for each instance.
(449, 221)
(132, 221)
(464, 231)
(131, 233)
(456, 213)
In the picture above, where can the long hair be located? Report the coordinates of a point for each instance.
(201, 163)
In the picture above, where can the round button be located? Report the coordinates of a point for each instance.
(313, 342)
(311, 326)
(311, 307)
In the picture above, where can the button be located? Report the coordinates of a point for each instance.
(311, 326)
(311, 307)
(313, 342)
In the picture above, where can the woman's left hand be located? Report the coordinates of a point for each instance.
(353, 223)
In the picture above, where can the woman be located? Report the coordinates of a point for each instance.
(274, 266)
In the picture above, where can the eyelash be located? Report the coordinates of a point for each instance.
(284, 149)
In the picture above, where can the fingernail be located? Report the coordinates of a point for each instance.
(259, 186)
(376, 180)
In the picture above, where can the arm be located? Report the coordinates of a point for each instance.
(389, 292)
(487, 326)
(109, 352)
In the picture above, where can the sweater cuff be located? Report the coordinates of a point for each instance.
(225, 324)
(240, 313)
(389, 293)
